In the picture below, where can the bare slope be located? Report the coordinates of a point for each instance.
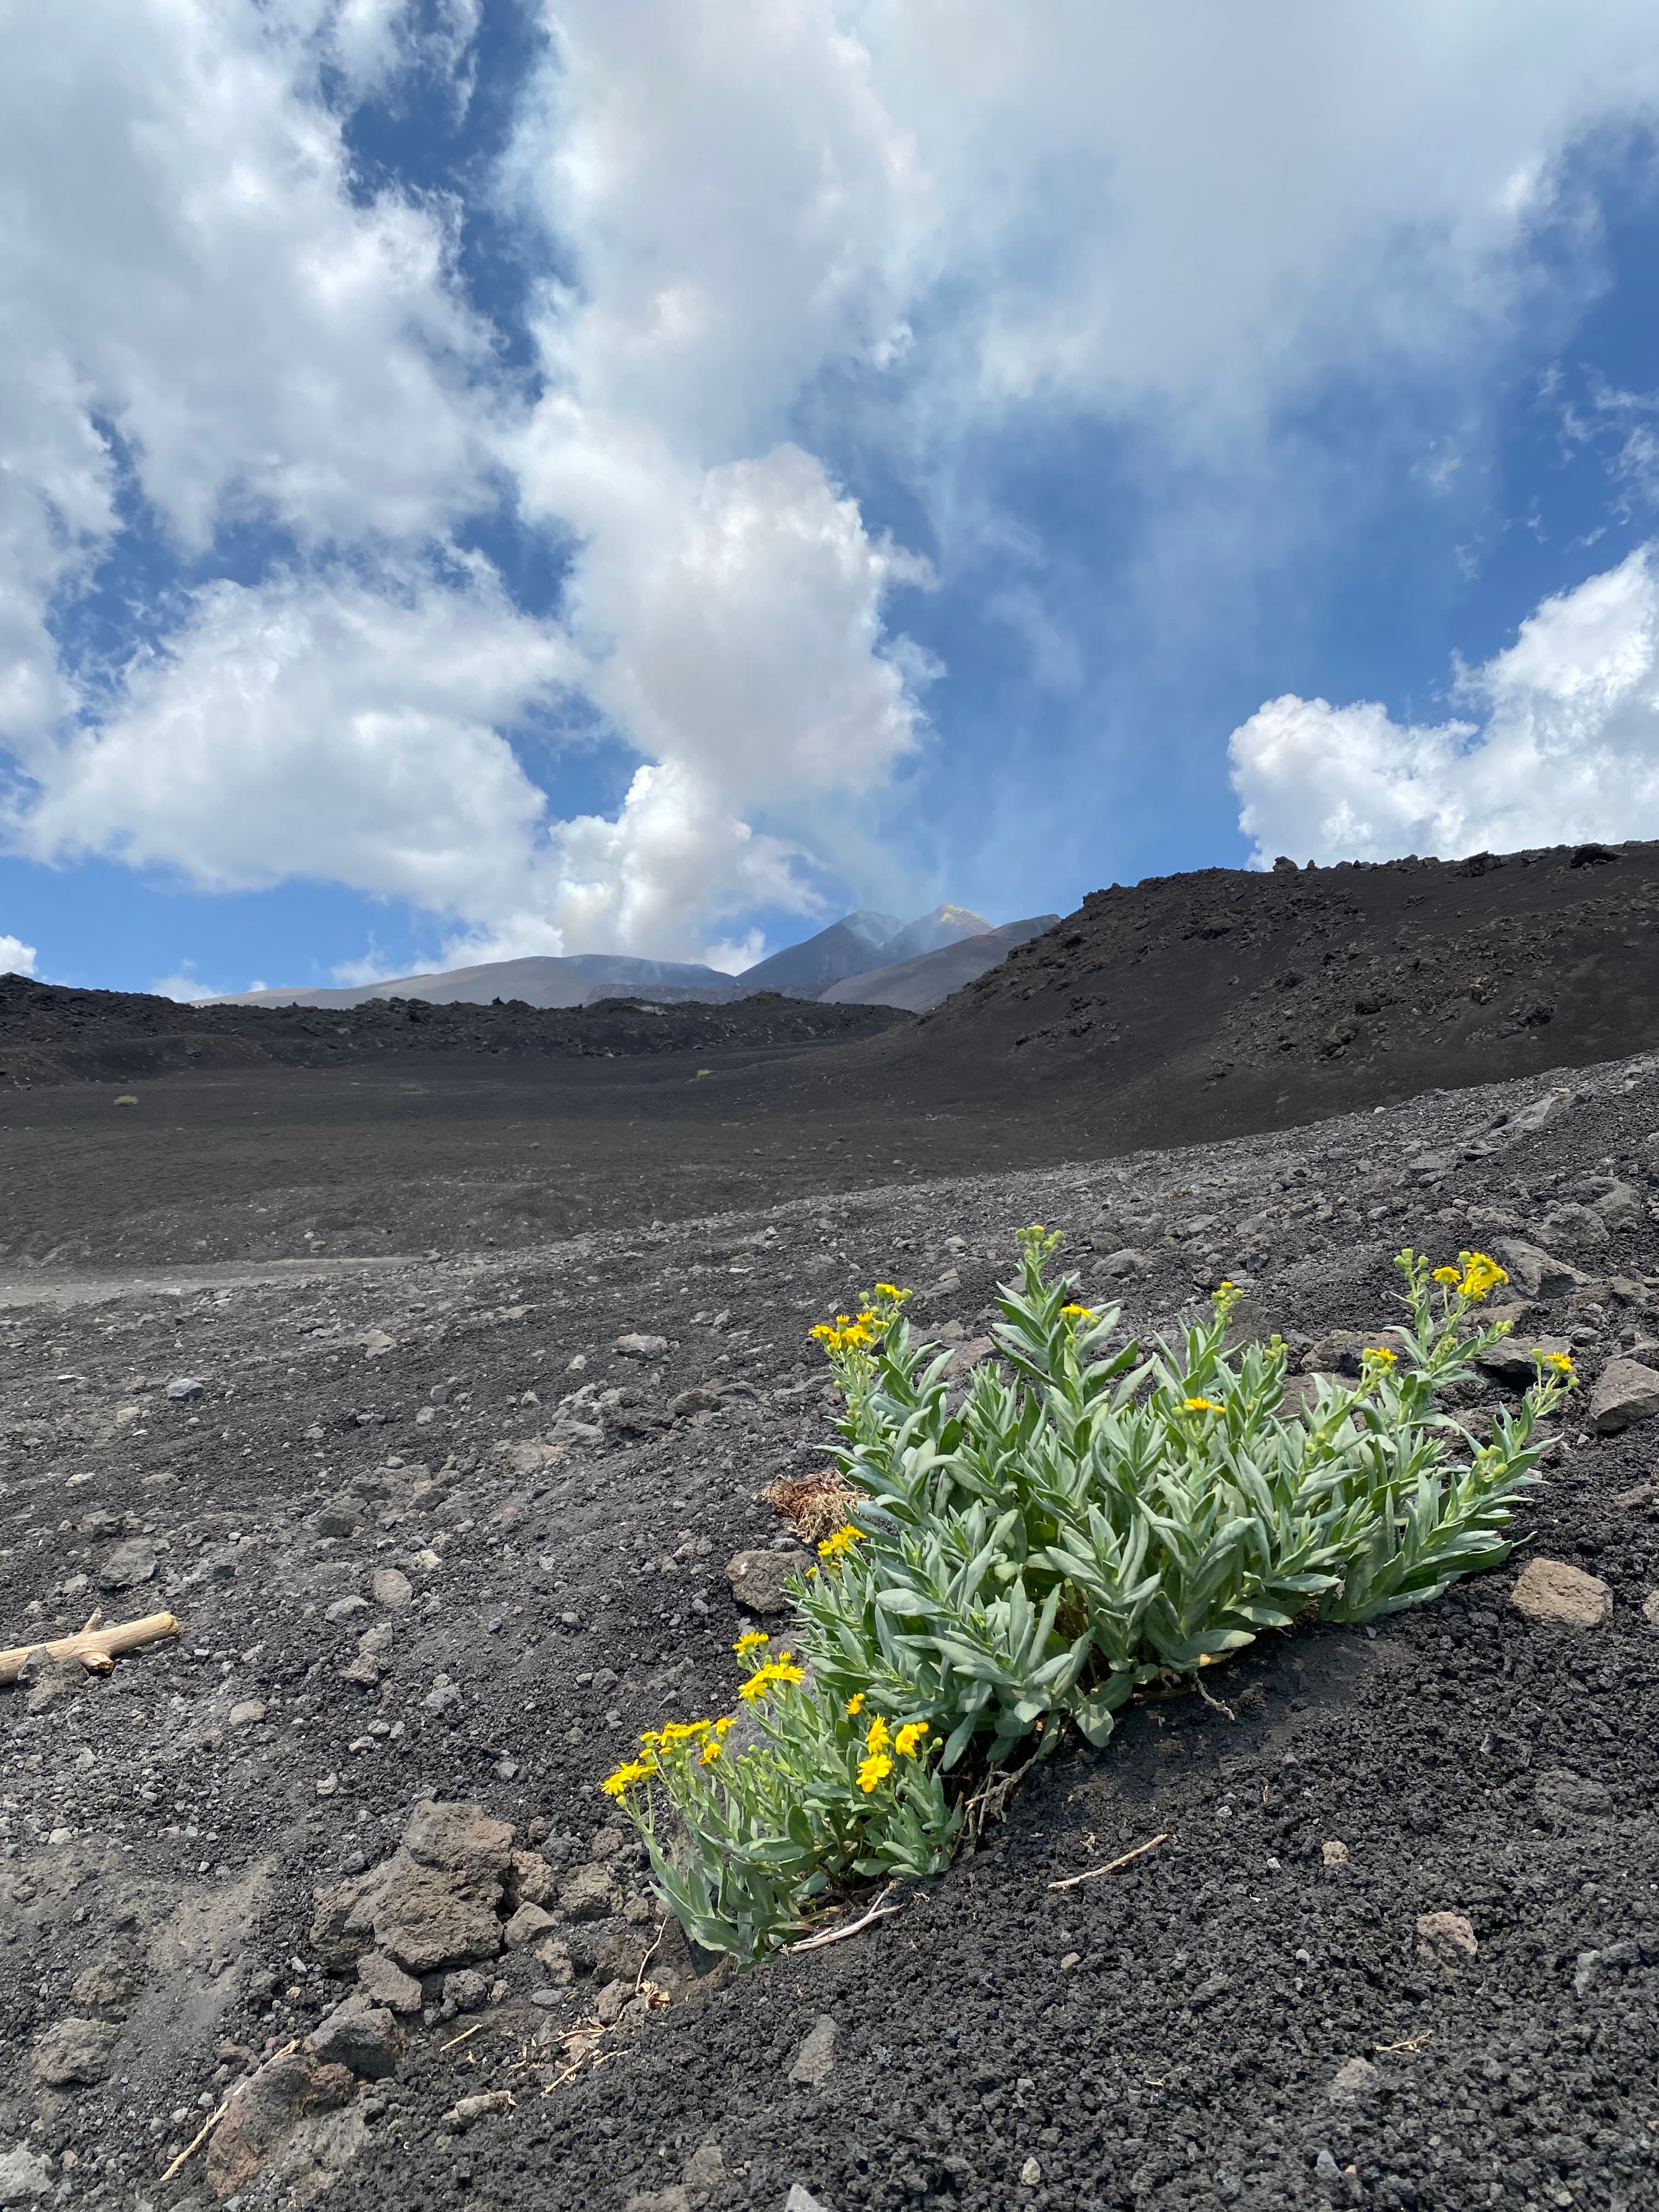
(419, 1557)
(1199, 1005)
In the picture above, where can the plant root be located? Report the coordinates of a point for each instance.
(1093, 1873)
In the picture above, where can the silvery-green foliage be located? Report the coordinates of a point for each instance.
(1087, 1517)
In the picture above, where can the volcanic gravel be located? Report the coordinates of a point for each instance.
(435, 1536)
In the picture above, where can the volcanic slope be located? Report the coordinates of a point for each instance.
(1202, 1006)
(457, 1533)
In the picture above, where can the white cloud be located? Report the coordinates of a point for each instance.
(918, 218)
(1563, 745)
(187, 988)
(16, 958)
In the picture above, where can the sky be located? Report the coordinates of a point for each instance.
(481, 478)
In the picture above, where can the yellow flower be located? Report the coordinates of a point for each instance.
(632, 1771)
(1561, 1361)
(879, 1737)
(751, 1640)
(887, 1290)
(1381, 1352)
(781, 1669)
(1076, 1312)
(909, 1739)
(1447, 1275)
(1202, 1406)
(1480, 1275)
(726, 1720)
(711, 1752)
(854, 1706)
(834, 1545)
(873, 1770)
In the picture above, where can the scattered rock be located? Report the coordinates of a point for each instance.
(460, 1838)
(128, 1565)
(1514, 1359)
(186, 1387)
(1030, 2174)
(1574, 1226)
(815, 2061)
(705, 2167)
(384, 1984)
(392, 1588)
(758, 1579)
(248, 1712)
(1339, 1351)
(1536, 1271)
(1354, 2078)
(265, 2112)
(527, 1923)
(23, 2176)
(1447, 1935)
(1550, 1591)
(1124, 1263)
(1621, 1208)
(634, 1347)
(363, 2036)
(470, 2110)
(107, 1987)
(967, 1355)
(1333, 1853)
(337, 1520)
(801, 2199)
(428, 1919)
(466, 1989)
(47, 1681)
(1650, 1607)
(74, 2051)
(556, 1962)
(1560, 1793)
(530, 1879)
(590, 1894)
(1625, 1393)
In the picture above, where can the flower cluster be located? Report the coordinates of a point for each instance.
(781, 1669)
(880, 1745)
(837, 1545)
(661, 1746)
(844, 1334)
(856, 1332)
(1473, 1278)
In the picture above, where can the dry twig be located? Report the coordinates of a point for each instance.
(465, 2033)
(1093, 1873)
(94, 1646)
(214, 2119)
(879, 1911)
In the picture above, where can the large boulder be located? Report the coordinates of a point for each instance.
(1515, 1358)
(436, 1903)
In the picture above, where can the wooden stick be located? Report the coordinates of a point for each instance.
(93, 1644)
(209, 2125)
(1095, 1873)
(879, 1911)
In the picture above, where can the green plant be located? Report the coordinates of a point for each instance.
(1085, 1520)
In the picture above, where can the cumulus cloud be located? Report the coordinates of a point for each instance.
(16, 958)
(765, 214)
(1562, 743)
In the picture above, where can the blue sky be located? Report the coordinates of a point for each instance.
(647, 475)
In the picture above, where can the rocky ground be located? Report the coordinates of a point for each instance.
(443, 1537)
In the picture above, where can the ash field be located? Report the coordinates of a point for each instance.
(431, 1371)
